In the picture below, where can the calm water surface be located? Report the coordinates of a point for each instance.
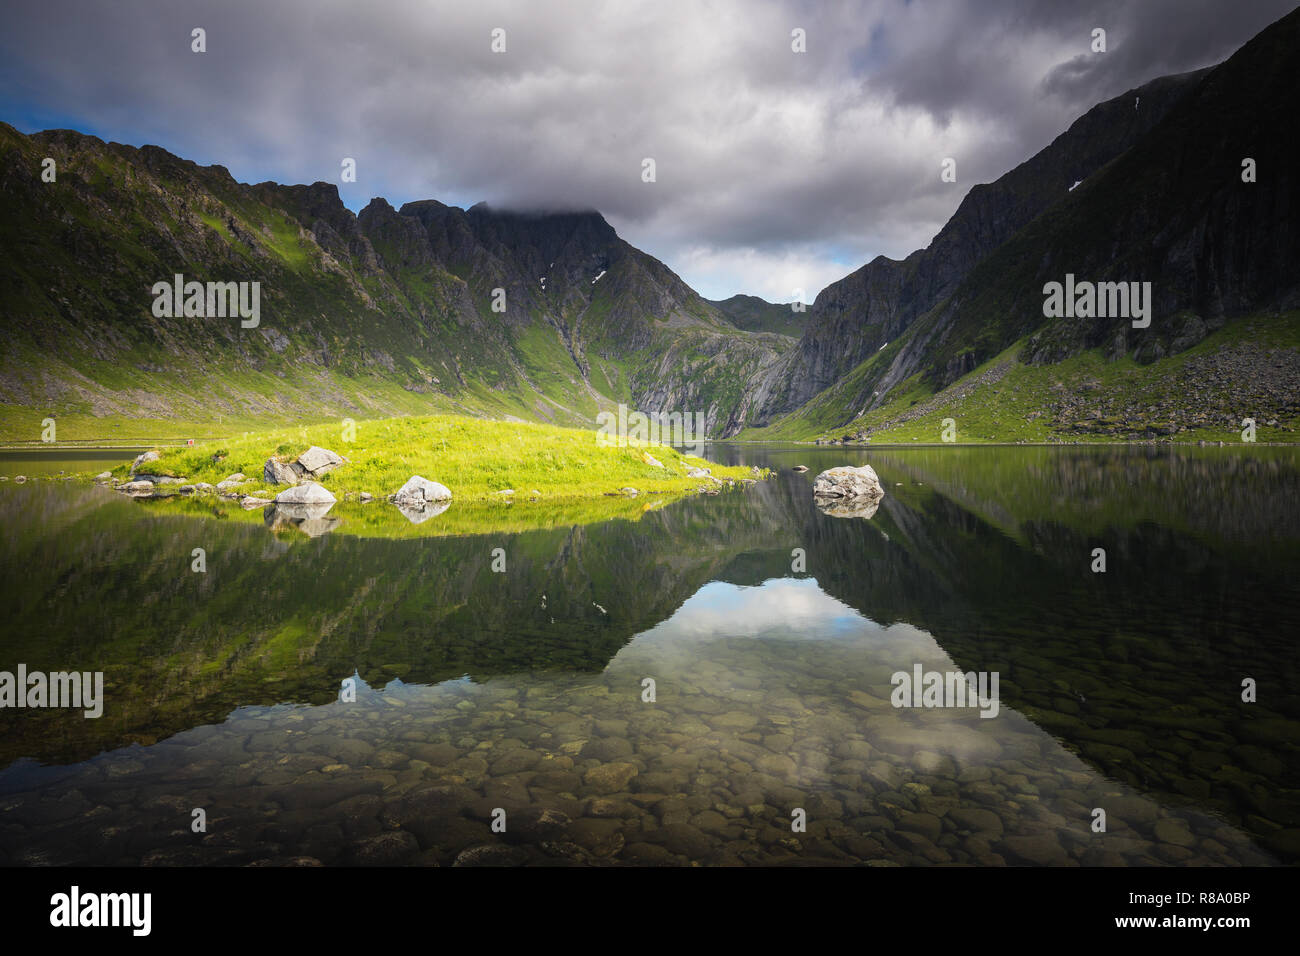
(30, 462)
(526, 691)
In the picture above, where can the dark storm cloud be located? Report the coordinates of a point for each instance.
(775, 170)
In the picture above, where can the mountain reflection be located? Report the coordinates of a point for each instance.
(980, 554)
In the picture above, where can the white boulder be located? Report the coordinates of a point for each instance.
(319, 460)
(308, 493)
(419, 491)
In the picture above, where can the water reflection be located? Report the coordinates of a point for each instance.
(312, 520)
(1119, 691)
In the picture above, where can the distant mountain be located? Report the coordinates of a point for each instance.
(753, 314)
(386, 312)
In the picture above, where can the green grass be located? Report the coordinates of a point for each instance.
(216, 224)
(285, 241)
(475, 458)
(1007, 401)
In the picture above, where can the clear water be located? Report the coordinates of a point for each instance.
(520, 698)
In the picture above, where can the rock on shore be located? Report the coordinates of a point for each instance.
(315, 462)
(308, 493)
(418, 492)
(421, 499)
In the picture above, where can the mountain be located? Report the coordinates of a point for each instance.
(853, 318)
(389, 311)
(1147, 187)
(753, 314)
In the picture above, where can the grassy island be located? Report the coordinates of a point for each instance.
(478, 460)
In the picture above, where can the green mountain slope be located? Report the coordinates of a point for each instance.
(388, 312)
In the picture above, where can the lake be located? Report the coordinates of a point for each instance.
(706, 681)
(30, 462)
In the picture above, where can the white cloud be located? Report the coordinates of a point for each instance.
(721, 273)
(789, 608)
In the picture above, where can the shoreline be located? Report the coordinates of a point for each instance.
(94, 444)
